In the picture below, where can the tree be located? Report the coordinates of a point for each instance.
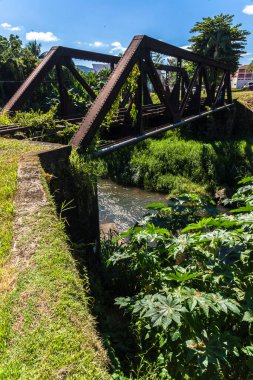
(219, 39)
(35, 48)
(16, 63)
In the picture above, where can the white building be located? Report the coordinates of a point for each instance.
(242, 77)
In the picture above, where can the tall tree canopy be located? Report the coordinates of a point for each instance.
(216, 37)
(16, 63)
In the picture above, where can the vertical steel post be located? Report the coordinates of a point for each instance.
(177, 87)
(199, 90)
(64, 98)
(146, 95)
(139, 100)
(213, 80)
(228, 85)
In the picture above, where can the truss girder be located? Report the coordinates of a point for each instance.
(179, 101)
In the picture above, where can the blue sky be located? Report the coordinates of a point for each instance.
(109, 25)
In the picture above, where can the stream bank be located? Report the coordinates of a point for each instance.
(201, 157)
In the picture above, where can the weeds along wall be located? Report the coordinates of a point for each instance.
(243, 118)
(74, 189)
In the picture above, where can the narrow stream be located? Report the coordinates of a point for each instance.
(124, 205)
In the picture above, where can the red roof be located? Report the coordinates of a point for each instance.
(243, 67)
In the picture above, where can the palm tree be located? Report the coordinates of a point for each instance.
(35, 48)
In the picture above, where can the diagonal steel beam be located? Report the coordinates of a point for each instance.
(189, 91)
(208, 87)
(56, 55)
(32, 82)
(158, 86)
(69, 64)
(108, 94)
(221, 85)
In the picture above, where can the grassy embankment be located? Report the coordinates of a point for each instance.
(178, 162)
(46, 331)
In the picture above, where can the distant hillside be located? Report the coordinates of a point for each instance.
(84, 69)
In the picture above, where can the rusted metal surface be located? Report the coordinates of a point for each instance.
(65, 101)
(80, 79)
(108, 94)
(177, 103)
(57, 55)
(31, 83)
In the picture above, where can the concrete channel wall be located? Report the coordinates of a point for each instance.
(75, 196)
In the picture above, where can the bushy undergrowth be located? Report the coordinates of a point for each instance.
(175, 164)
(184, 276)
(44, 126)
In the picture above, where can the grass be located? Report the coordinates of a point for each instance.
(237, 95)
(244, 97)
(46, 330)
(175, 164)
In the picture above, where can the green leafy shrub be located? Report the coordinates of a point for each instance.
(175, 184)
(45, 126)
(5, 119)
(190, 294)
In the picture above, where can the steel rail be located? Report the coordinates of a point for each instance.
(114, 147)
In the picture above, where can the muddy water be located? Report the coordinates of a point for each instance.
(124, 205)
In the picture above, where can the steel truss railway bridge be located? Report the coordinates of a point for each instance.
(180, 97)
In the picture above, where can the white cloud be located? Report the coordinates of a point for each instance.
(5, 25)
(117, 47)
(15, 28)
(248, 10)
(246, 54)
(8, 26)
(98, 44)
(41, 36)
